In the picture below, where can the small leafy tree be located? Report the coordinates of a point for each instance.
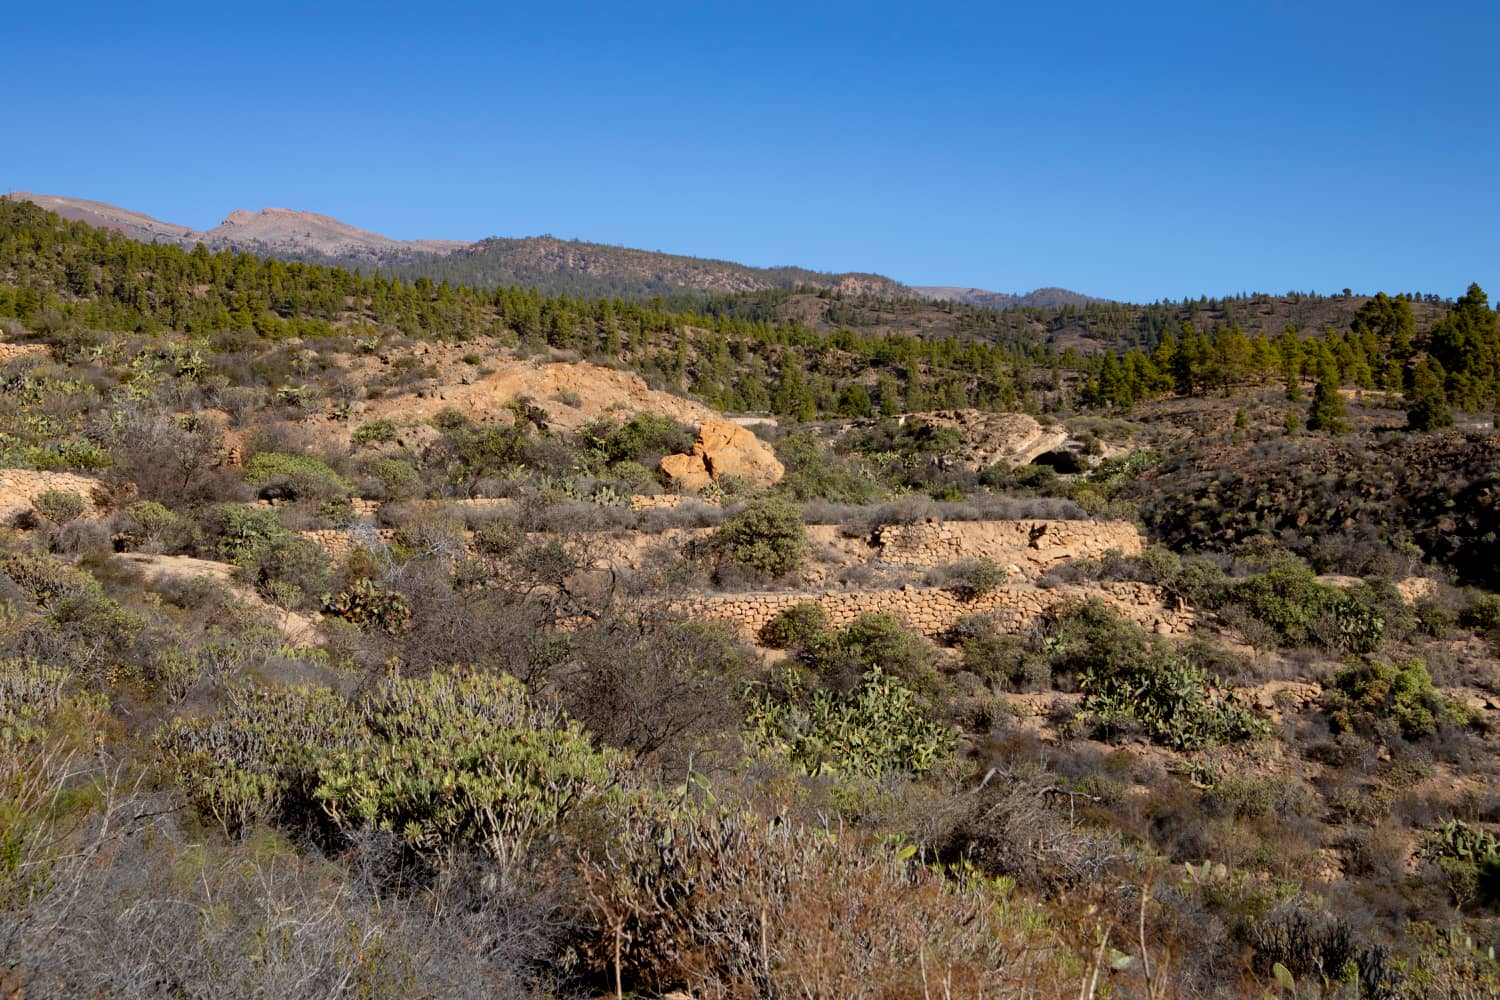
(798, 625)
(767, 536)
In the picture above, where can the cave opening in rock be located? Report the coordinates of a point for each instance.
(1066, 462)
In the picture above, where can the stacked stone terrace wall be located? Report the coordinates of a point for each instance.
(933, 611)
(1024, 548)
(10, 352)
(339, 542)
(18, 487)
(666, 501)
(1032, 545)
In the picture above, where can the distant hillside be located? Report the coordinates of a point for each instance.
(1042, 298)
(573, 267)
(555, 267)
(270, 232)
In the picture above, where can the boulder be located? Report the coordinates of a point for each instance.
(731, 450)
(722, 449)
(685, 472)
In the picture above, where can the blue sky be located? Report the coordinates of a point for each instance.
(1135, 151)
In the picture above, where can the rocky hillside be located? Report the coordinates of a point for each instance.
(578, 268)
(554, 266)
(1041, 298)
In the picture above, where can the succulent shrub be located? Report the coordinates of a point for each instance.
(880, 728)
(372, 607)
(257, 757)
(47, 581)
(463, 757)
(1174, 702)
(296, 477)
(58, 506)
(30, 692)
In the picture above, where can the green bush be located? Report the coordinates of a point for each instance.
(1482, 615)
(288, 570)
(992, 655)
(979, 579)
(149, 525)
(1091, 636)
(59, 506)
(643, 439)
(798, 625)
(297, 477)
(880, 640)
(1379, 699)
(232, 531)
(815, 473)
(880, 728)
(1287, 597)
(767, 536)
(398, 479)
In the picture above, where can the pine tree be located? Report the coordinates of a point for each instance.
(1428, 409)
(1328, 412)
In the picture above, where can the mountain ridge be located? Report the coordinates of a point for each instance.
(551, 264)
(1040, 298)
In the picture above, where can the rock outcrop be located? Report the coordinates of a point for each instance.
(1008, 438)
(20, 487)
(722, 449)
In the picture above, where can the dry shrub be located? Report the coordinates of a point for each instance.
(1023, 824)
(725, 903)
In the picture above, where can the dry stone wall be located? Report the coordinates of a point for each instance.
(18, 487)
(10, 352)
(933, 611)
(1021, 546)
(666, 501)
(339, 542)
